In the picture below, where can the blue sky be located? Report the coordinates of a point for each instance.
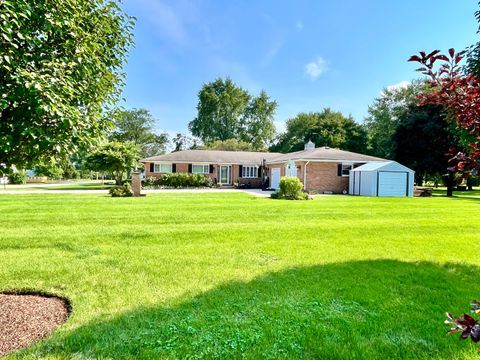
(307, 55)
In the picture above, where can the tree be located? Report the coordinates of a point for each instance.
(60, 71)
(136, 126)
(226, 111)
(258, 127)
(460, 96)
(326, 128)
(184, 142)
(61, 168)
(473, 56)
(229, 145)
(115, 158)
(421, 139)
(383, 118)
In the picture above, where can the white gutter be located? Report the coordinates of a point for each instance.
(305, 175)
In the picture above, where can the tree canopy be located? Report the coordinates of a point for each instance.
(115, 158)
(421, 139)
(326, 128)
(384, 116)
(137, 127)
(226, 111)
(60, 71)
(229, 145)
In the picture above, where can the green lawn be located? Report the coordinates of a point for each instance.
(232, 276)
(72, 186)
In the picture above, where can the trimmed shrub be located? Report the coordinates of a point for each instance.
(178, 180)
(121, 191)
(291, 188)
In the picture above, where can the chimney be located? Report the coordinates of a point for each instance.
(310, 145)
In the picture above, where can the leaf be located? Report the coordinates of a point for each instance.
(414, 58)
(434, 52)
(451, 52)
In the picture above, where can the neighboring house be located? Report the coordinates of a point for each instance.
(224, 167)
(321, 170)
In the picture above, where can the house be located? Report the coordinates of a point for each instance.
(224, 167)
(321, 170)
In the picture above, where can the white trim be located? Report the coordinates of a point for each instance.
(162, 172)
(327, 161)
(305, 175)
(205, 166)
(255, 172)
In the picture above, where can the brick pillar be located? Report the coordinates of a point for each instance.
(136, 183)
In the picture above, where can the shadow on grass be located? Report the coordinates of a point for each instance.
(368, 309)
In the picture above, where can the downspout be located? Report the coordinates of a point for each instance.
(305, 175)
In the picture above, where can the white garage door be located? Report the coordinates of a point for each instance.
(392, 183)
(275, 178)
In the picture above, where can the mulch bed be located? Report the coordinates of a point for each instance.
(28, 317)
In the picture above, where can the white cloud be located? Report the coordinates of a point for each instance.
(316, 68)
(401, 85)
(299, 25)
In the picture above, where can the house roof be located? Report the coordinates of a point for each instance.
(324, 154)
(383, 165)
(213, 157)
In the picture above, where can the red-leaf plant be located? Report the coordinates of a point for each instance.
(467, 325)
(460, 96)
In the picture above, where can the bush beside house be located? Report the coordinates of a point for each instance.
(290, 188)
(178, 180)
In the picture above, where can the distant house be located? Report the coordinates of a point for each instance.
(322, 170)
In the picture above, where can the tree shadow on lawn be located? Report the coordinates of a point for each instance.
(367, 309)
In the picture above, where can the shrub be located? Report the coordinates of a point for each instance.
(17, 177)
(290, 189)
(121, 191)
(178, 180)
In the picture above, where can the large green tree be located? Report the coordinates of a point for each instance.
(60, 71)
(229, 145)
(422, 138)
(115, 158)
(226, 111)
(326, 128)
(137, 126)
(383, 118)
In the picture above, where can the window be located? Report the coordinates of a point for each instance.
(346, 169)
(250, 171)
(163, 168)
(200, 169)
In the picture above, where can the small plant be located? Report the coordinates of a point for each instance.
(466, 324)
(121, 190)
(291, 188)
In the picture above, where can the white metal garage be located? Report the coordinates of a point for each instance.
(381, 178)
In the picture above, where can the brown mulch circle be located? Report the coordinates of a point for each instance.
(27, 316)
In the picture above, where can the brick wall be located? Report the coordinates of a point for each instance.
(321, 176)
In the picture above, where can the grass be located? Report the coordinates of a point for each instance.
(72, 186)
(233, 276)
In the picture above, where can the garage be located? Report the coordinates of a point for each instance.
(381, 178)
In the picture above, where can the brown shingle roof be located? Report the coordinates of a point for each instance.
(213, 157)
(324, 154)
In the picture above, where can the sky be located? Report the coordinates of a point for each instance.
(307, 55)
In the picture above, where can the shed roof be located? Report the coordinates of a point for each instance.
(382, 165)
(324, 154)
(213, 157)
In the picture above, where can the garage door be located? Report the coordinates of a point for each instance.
(275, 178)
(392, 183)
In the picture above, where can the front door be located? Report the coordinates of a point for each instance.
(225, 176)
(275, 180)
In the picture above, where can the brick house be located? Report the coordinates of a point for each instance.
(321, 169)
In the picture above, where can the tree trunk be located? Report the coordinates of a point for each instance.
(469, 184)
(449, 181)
